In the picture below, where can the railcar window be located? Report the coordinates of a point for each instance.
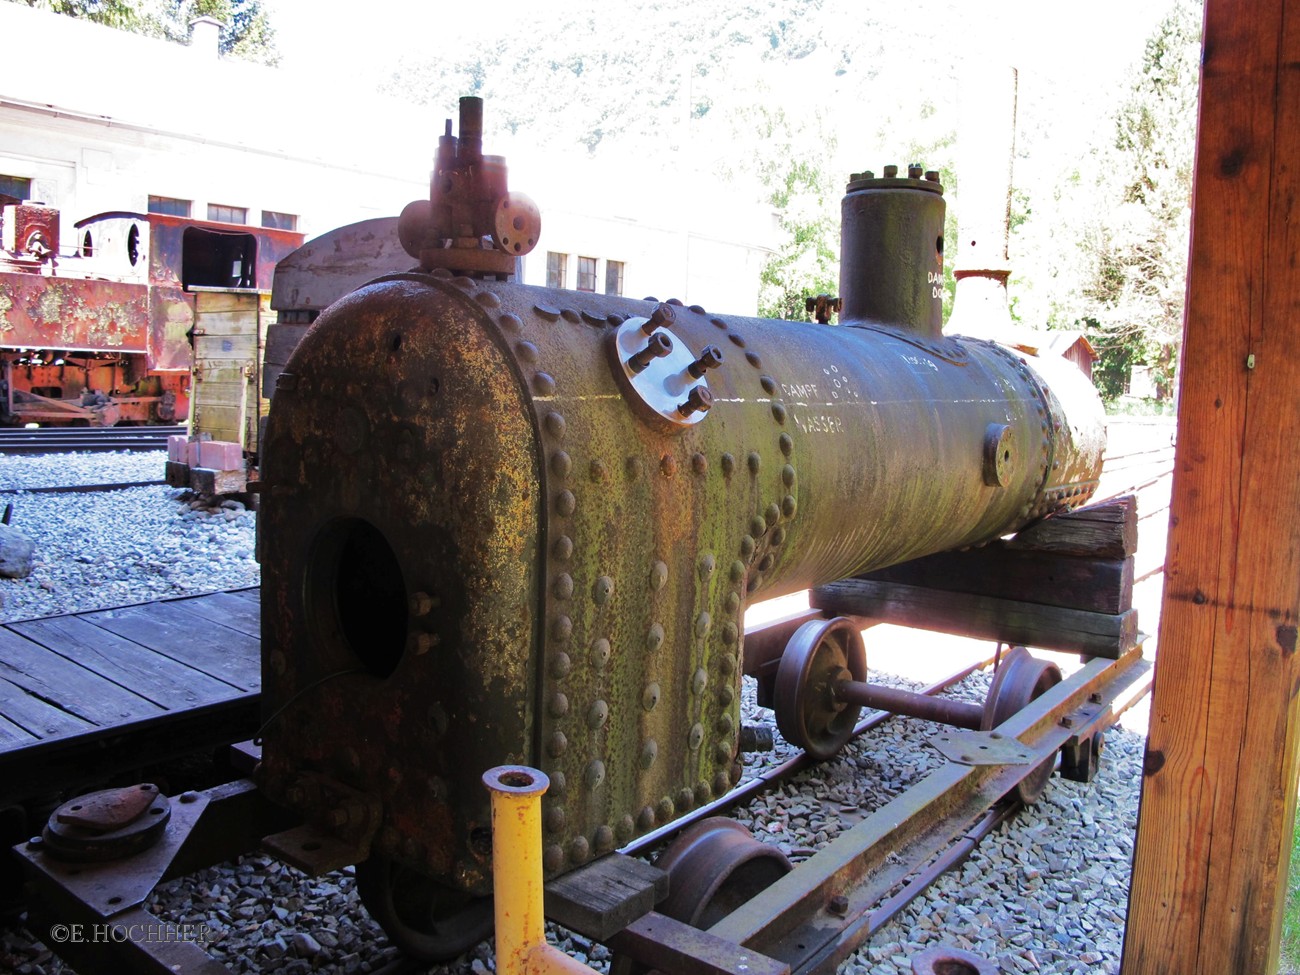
(613, 277)
(169, 205)
(16, 186)
(586, 274)
(279, 221)
(87, 245)
(224, 214)
(557, 269)
(212, 259)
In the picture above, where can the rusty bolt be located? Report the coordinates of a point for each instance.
(839, 905)
(421, 643)
(421, 604)
(188, 797)
(699, 400)
(662, 317)
(1067, 722)
(891, 172)
(932, 175)
(914, 171)
(710, 358)
(1095, 698)
(868, 174)
(35, 843)
(658, 346)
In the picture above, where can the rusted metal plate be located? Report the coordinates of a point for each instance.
(981, 748)
(67, 313)
(108, 809)
(324, 269)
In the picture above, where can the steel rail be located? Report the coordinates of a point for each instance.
(82, 488)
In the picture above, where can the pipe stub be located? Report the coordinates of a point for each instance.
(516, 780)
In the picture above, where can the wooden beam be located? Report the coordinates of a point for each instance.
(1219, 788)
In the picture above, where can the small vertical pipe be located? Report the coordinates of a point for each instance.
(986, 144)
(517, 874)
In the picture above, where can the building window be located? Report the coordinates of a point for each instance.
(586, 274)
(557, 269)
(16, 186)
(225, 214)
(171, 206)
(613, 277)
(279, 221)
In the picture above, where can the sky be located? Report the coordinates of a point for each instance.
(1077, 49)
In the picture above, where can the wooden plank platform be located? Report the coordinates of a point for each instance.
(86, 695)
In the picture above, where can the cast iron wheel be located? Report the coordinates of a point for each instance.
(1080, 763)
(713, 867)
(1020, 679)
(821, 653)
(425, 919)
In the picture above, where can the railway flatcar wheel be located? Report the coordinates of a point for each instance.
(713, 867)
(820, 654)
(1020, 679)
(425, 919)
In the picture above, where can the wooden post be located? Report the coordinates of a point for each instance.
(1218, 795)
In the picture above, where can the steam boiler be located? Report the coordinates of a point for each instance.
(505, 524)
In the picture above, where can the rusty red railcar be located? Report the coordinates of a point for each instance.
(103, 335)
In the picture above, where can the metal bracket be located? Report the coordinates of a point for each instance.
(982, 748)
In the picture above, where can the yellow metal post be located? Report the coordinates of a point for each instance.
(517, 874)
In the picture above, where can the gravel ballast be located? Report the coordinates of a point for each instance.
(112, 548)
(1045, 893)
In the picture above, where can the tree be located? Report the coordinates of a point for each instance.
(248, 35)
(1128, 210)
(112, 13)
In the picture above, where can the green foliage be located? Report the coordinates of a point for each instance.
(248, 35)
(1128, 209)
(1290, 954)
(111, 13)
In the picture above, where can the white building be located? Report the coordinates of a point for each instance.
(94, 119)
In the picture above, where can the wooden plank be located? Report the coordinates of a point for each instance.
(38, 718)
(254, 593)
(67, 685)
(11, 735)
(1104, 531)
(212, 349)
(605, 896)
(207, 481)
(216, 650)
(152, 675)
(1218, 796)
(217, 302)
(1093, 585)
(980, 617)
(227, 609)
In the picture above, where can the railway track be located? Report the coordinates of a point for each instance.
(63, 440)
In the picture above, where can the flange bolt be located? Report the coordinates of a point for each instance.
(891, 171)
(421, 604)
(698, 400)
(662, 317)
(710, 358)
(914, 171)
(658, 346)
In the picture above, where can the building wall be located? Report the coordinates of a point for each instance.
(122, 117)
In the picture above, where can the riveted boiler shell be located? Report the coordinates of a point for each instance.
(598, 561)
(399, 569)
